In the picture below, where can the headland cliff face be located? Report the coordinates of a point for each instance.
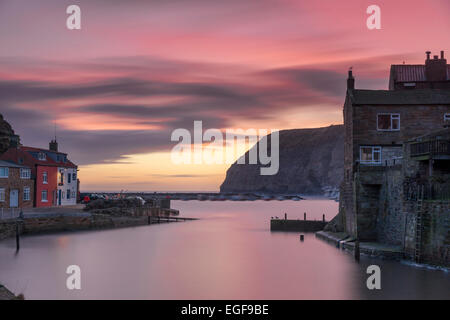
(311, 162)
(6, 132)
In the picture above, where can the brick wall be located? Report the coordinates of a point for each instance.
(15, 182)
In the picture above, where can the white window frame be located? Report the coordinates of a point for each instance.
(2, 194)
(26, 194)
(6, 174)
(25, 173)
(375, 149)
(447, 117)
(45, 177)
(42, 156)
(44, 199)
(393, 116)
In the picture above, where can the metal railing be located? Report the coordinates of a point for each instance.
(430, 147)
(10, 213)
(384, 163)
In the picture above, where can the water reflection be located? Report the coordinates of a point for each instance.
(228, 254)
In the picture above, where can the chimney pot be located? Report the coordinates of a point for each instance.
(442, 55)
(53, 146)
(428, 55)
(350, 80)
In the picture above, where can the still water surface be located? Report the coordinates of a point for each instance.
(228, 254)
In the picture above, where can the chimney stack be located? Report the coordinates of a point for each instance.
(436, 69)
(350, 80)
(53, 146)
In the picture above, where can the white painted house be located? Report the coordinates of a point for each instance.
(67, 186)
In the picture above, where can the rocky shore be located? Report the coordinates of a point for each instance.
(5, 294)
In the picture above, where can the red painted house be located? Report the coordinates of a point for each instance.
(46, 169)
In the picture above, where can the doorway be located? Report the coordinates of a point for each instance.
(14, 198)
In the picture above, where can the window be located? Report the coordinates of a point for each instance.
(44, 196)
(4, 172)
(69, 178)
(2, 195)
(26, 194)
(25, 173)
(447, 117)
(73, 194)
(370, 155)
(68, 193)
(61, 177)
(74, 176)
(388, 122)
(42, 156)
(45, 177)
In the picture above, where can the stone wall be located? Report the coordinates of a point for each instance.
(60, 223)
(391, 219)
(7, 229)
(360, 127)
(415, 120)
(296, 225)
(436, 232)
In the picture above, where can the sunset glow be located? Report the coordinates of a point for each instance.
(117, 88)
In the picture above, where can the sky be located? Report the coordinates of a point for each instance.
(137, 70)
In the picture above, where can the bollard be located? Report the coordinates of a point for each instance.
(302, 237)
(17, 237)
(304, 216)
(323, 218)
(357, 251)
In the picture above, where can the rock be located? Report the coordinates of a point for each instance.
(311, 160)
(6, 132)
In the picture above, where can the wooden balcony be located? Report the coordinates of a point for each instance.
(431, 149)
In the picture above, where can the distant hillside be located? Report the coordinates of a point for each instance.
(310, 160)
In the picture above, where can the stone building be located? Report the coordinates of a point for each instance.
(379, 125)
(434, 74)
(16, 186)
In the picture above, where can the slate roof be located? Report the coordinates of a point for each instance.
(411, 72)
(400, 97)
(13, 154)
(9, 164)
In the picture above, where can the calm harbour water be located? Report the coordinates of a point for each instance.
(228, 254)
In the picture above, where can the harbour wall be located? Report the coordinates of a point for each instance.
(60, 223)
